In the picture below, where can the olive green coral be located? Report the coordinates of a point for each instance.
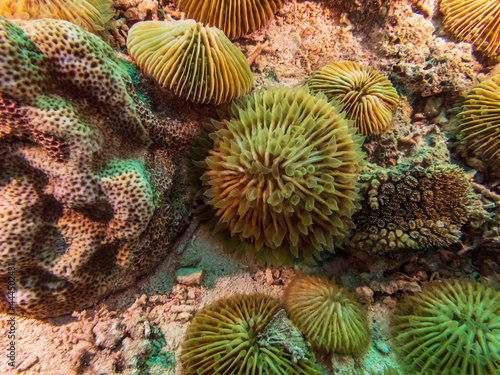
(281, 176)
(474, 21)
(411, 207)
(227, 337)
(367, 97)
(329, 317)
(479, 120)
(450, 328)
(234, 17)
(197, 63)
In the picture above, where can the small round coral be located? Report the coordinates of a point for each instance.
(329, 317)
(230, 336)
(281, 175)
(367, 97)
(474, 21)
(197, 63)
(234, 17)
(479, 120)
(451, 327)
(92, 15)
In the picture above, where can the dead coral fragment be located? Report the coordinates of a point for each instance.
(479, 120)
(474, 21)
(411, 208)
(367, 97)
(197, 63)
(234, 17)
(451, 327)
(329, 317)
(225, 338)
(93, 15)
(281, 177)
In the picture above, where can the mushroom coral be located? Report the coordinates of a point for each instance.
(197, 63)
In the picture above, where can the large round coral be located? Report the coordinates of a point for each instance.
(329, 317)
(92, 15)
(479, 120)
(197, 63)
(367, 97)
(451, 327)
(231, 336)
(234, 17)
(411, 207)
(474, 21)
(281, 176)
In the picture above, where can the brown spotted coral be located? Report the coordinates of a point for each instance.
(234, 17)
(281, 175)
(367, 97)
(474, 21)
(231, 336)
(195, 62)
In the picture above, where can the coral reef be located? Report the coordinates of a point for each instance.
(386, 371)
(479, 121)
(474, 21)
(366, 96)
(411, 207)
(91, 189)
(197, 63)
(235, 18)
(329, 317)
(281, 175)
(225, 337)
(451, 327)
(93, 15)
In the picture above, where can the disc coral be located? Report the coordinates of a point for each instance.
(367, 97)
(474, 21)
(197, 63)
(234, 17)
(92, 15)
(451, 327)
(479, 120)
(224, 338)
(281, 174)
(329, 317)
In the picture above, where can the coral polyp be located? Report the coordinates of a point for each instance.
(367, 97)
(281, 176)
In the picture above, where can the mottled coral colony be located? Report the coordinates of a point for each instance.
(94, 185)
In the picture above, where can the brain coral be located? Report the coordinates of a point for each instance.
(411, 207)
(329, 317)
(84, 199)
(197, 63)
(281, 176)
(234, 17)
(367, 97)
(479, 120)
(226, 337)
(92, 15)
(474, 21)
(450, 328)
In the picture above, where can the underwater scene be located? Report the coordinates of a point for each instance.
(250, 187)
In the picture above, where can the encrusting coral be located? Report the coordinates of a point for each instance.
(329, 316)
(92, 15)
(474, 21)
(366, 96)
(479, 121)
(88, 183)
(235, 17)
(451, 327)
(195, 62)
(227, 337)
(281, 175)
(411, 207)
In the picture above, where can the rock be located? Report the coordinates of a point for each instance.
(189, 276)
(108, 334)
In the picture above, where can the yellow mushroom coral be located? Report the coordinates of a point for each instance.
(197, 63)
